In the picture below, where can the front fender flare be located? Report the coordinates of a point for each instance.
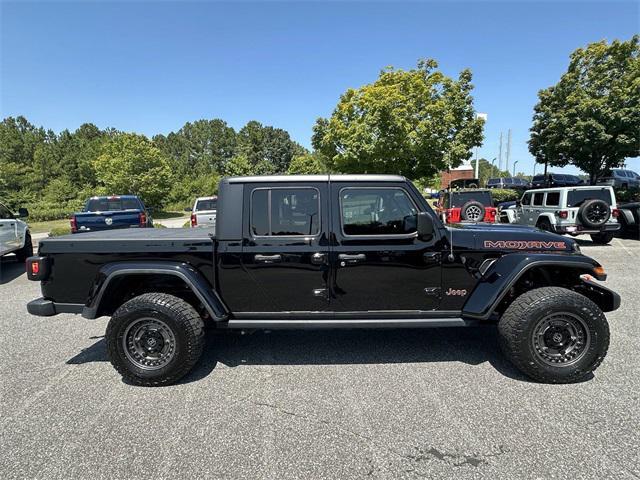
(498, 279)
(192, 278)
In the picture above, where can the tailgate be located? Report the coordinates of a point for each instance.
(206, 218)
(92, 221)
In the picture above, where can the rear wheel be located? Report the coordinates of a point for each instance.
(472, 211)
(544, 224)
(154, 339)
(602, 237)
(554, 335)
(26, 251)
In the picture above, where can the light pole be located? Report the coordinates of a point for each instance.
(492, 162)
(514, 167)
(534, 167)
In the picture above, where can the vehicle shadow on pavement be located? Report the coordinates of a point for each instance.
(472, 346)
(10, 269)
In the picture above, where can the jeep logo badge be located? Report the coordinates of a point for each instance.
(458, 293)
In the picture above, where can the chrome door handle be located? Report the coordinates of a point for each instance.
(318, 258)
(267, 258)
(352, 257)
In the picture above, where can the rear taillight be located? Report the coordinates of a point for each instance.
(563, 214)
(37, 268)
(74, 224)
(615, 213)
(194, 220)
(143, 220)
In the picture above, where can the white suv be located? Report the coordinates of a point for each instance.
(571, 210)
(14, 234)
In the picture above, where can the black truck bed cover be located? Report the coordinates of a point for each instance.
(132, 240)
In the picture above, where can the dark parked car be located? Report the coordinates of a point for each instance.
(512, 183)
(555, 180)
(621, 178)
(320, 251)
(110, 213)
(464, 183)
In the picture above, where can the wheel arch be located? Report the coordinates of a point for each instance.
(512, 274)
(118, 282)
(550, 217)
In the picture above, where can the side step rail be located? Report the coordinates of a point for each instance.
(359, 323)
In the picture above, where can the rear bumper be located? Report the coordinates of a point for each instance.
(42, 307)
(579, 229)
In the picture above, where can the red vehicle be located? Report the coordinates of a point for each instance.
(469, 205)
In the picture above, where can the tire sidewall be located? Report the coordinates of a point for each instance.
(597, 330)
(465, 207)
(115, 334)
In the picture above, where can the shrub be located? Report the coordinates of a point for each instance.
(504, 195)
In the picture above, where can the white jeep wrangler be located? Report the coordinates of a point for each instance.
(14, 234)
(570, 210)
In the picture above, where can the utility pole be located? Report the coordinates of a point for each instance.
(508, 150)
(514, 167)
(500, 154)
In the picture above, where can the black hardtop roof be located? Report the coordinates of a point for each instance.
(315, 178)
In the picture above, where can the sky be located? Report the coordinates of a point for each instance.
(151, 66)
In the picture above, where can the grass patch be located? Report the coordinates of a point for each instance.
(44, 227)
(62, 230)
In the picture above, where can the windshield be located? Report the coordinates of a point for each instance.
(112, 204)
(493, 181)
(458, 199)
(207, 205)
(575, 198)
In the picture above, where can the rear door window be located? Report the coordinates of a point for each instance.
(460, 198)
(553, 199)
(285, 212)
(112, 204)
(211, 204)
(575, 198)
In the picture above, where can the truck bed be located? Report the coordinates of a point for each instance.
(132, 240)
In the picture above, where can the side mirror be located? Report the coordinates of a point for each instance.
(23, 213)
(518, 203)
(425, 225)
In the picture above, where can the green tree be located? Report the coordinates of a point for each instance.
(308, 164)
(591, 117)
(413, 122)
(131, 164)
(269, 150)
(238, 166)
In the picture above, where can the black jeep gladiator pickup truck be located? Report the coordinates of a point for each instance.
(327, 251)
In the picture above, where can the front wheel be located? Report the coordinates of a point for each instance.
(554, 335)
(154, 339)
(602, 237)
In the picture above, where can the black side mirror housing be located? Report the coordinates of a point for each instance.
(518, 203)
(425, 225)
(23, 213)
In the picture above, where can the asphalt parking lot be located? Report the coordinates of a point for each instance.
(438, 403)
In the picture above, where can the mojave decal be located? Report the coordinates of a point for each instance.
(524, 244)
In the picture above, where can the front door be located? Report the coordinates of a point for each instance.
(285, 251)
(8, 238)
(524, 211)
(379, 266)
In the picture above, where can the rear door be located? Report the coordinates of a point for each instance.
(285, 249)
(379, 266)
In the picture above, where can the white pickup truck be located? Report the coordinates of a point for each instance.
(204, 211)
(14, 234)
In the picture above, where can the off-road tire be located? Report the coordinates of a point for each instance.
(587, 206)
(603, 238)
(464, 215)
(183, 321)
(518, 324)
(26, 251)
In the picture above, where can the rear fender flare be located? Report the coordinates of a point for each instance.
(507, 270)
(190, 276)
